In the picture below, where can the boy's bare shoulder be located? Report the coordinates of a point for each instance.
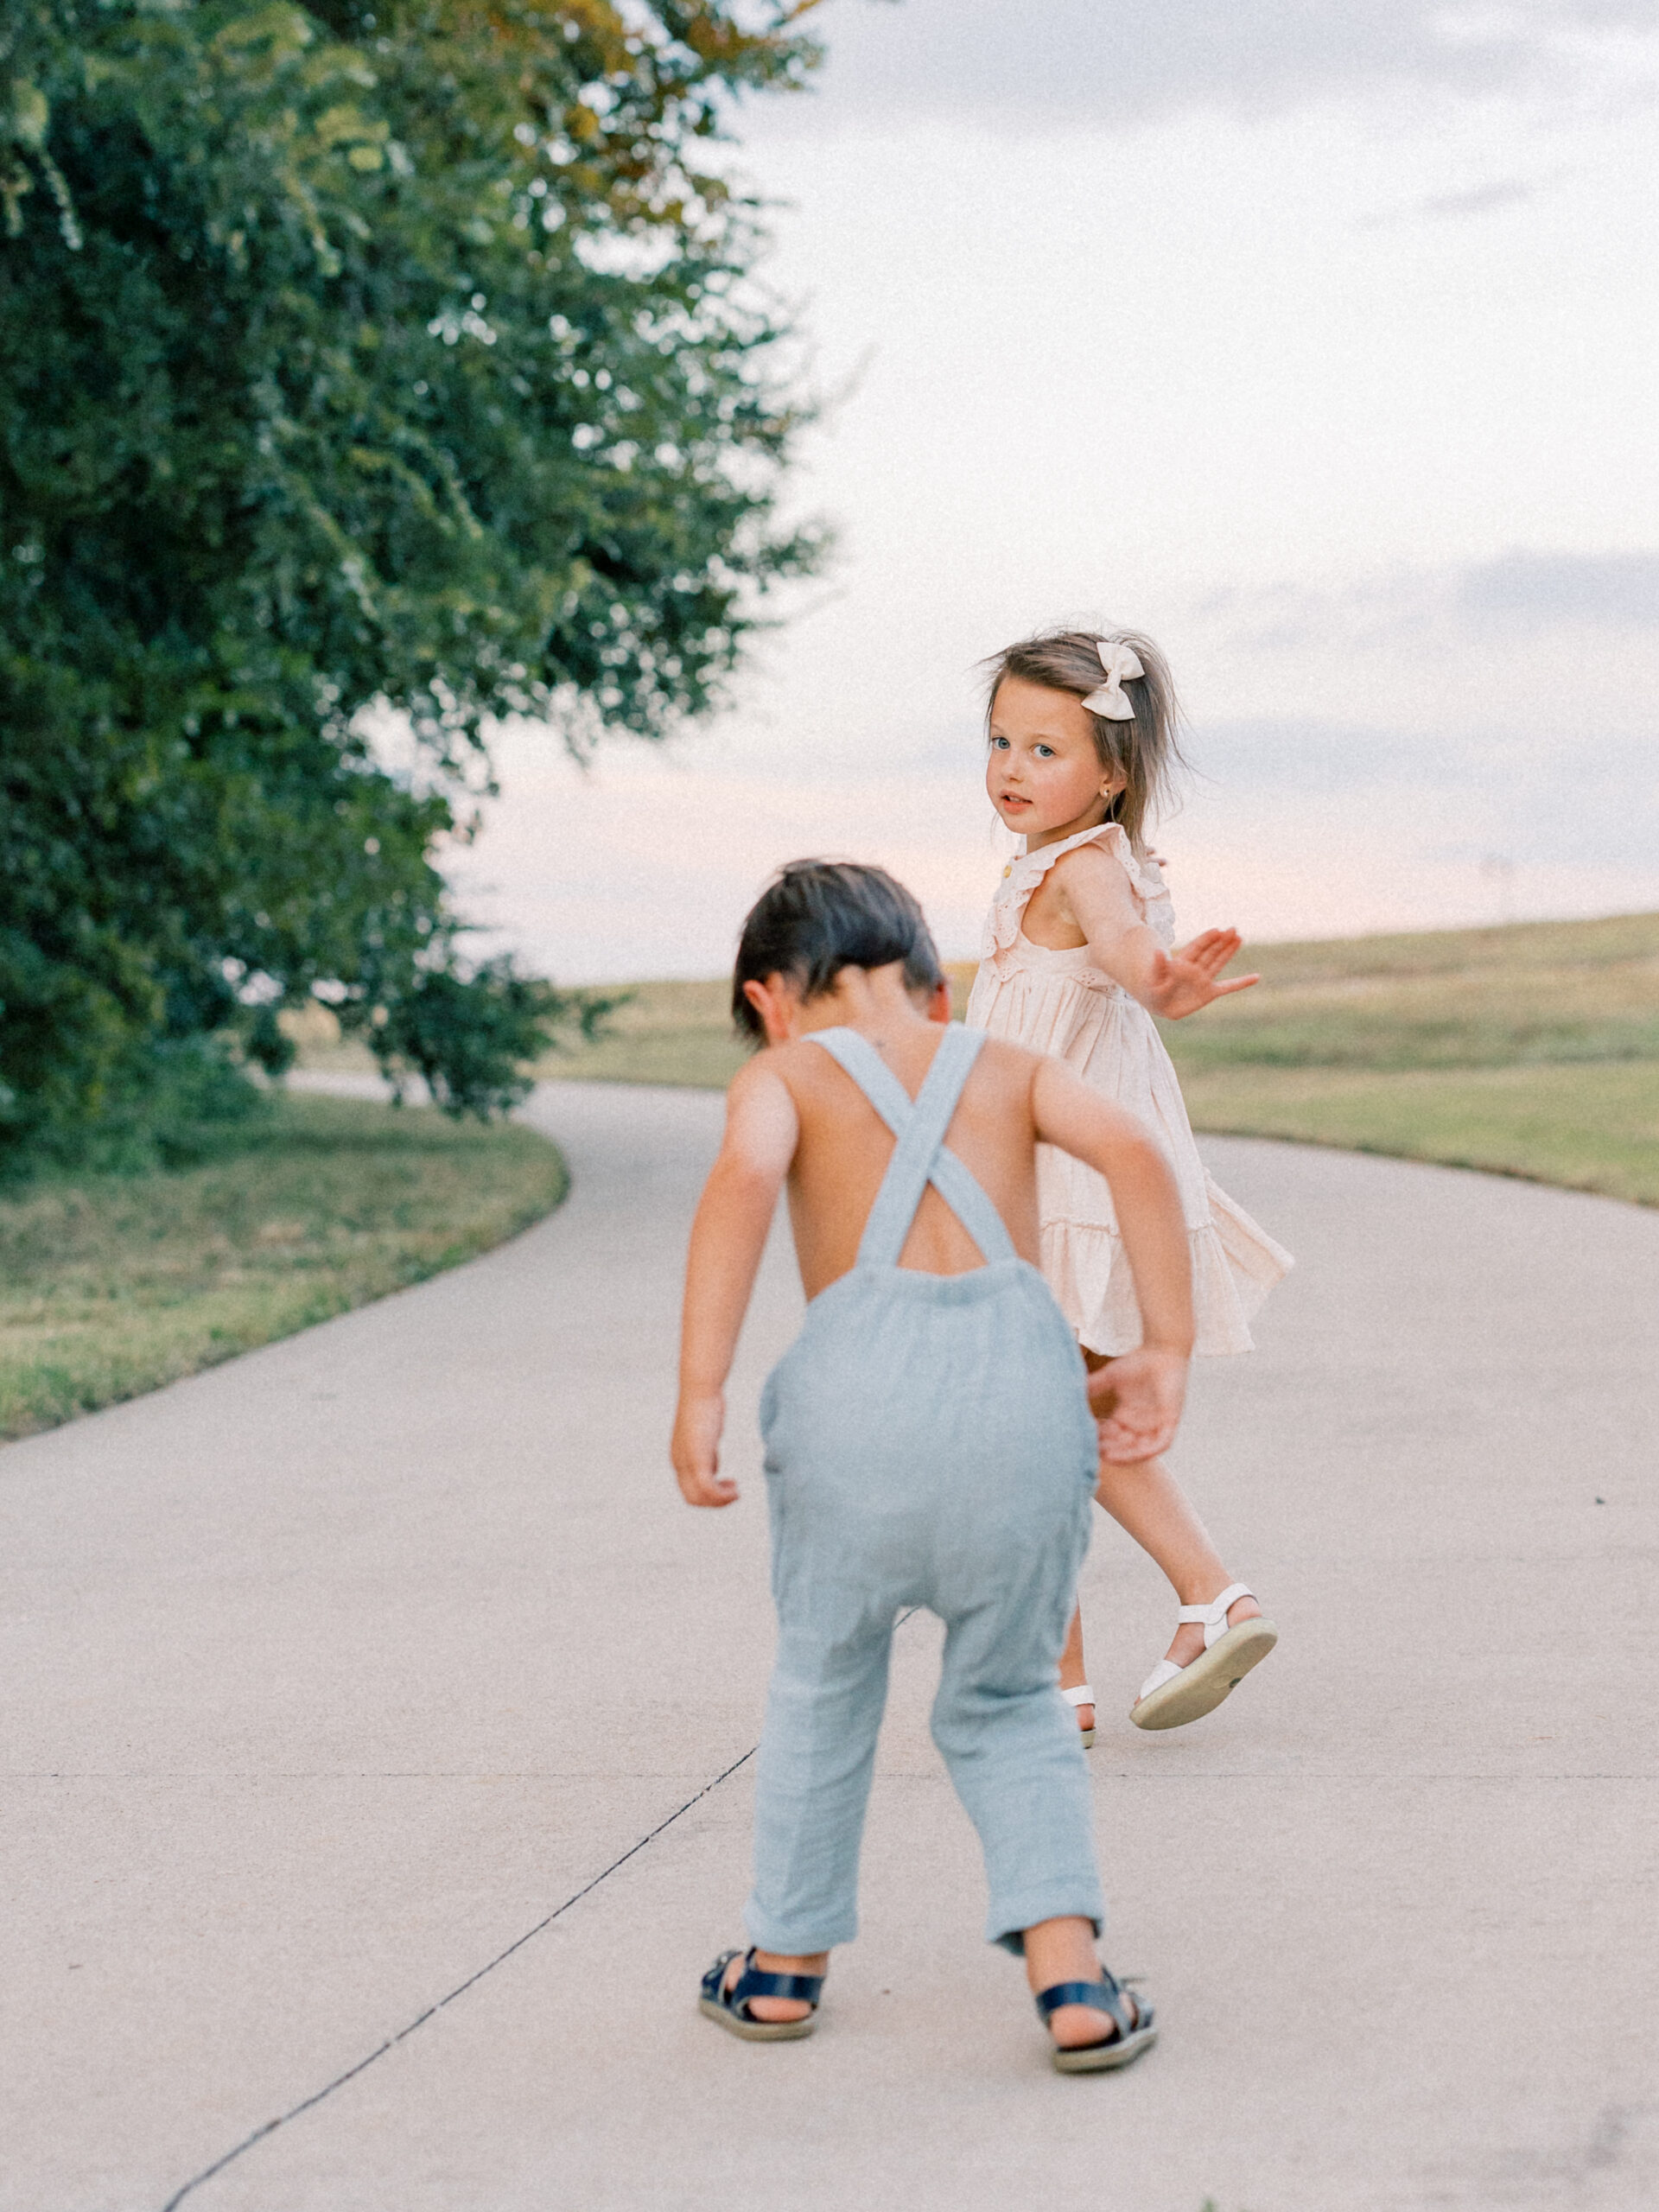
(762, 1119)
(1014, 1066)
(786, 1060)
(758, 1081)
(787, 1067)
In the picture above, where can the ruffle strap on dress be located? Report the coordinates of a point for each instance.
(1026, 870)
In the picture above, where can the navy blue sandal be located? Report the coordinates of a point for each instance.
(731, 2007)
(1132, 2019)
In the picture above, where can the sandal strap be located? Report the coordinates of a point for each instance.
(756, 1981)
(1092, 1993)
(1082, 1694)
(1101, 1996)
(1165, 1671)
(1214, 1614)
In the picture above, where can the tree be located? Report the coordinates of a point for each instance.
(399, 359)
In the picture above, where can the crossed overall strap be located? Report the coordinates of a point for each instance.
(918, 1154)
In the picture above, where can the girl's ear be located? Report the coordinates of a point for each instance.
(777, 1007)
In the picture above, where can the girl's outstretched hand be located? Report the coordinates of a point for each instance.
(1190, 977)
(695, 1451)
(1137, 1403)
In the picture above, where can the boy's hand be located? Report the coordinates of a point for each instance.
(1137, 1403)
(1190, 977)
(695, 1451)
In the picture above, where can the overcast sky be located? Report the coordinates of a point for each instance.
(1316, 340)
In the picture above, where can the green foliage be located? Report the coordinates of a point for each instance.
(363, 370)
(190, 1102)
(472, 1041)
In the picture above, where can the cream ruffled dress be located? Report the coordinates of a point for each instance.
(1061, 1002)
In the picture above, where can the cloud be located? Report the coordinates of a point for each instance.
(1620, 590)
(1316, 759)
(1504, 192)
(1115, 65)
(1591, 801)
(1458, 678)
(1453, 207)
(1475, 601)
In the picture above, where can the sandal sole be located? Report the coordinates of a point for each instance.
(757, 2030)
(1200, 1687)
(1105, 2057)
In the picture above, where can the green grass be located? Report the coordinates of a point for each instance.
(1532, 993)
(666, 1034)
(113, 1285)
(1529, 1050)
(1589, 1126)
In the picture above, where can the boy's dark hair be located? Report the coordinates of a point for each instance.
(816, 918)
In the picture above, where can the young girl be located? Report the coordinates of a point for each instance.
(1078, 956)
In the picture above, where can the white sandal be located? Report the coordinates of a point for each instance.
(1173, 1696)
(1082, 1696)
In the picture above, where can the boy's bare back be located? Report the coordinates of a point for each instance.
(792, 1116)
(843, 1147)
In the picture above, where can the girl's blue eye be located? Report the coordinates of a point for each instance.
(999, 742)
(1047, 751)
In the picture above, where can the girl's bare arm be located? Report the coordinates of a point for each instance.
(728, 1238)
(1173, 984)
(1147, 1386)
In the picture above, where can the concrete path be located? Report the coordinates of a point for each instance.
(332, 1676)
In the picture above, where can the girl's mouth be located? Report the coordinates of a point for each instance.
(1011, 799)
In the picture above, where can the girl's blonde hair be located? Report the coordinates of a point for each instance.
(1144, 750)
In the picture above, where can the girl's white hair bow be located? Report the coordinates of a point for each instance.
(1120, 662)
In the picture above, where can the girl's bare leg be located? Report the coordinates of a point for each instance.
(1146, 1499)
(1073, 1671)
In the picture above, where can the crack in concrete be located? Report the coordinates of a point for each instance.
(420, 2020)
(308, 2104)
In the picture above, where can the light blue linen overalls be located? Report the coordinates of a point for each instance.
(928, 1442)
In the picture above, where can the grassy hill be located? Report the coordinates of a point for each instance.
(1528, 1050)
(1531, 1050)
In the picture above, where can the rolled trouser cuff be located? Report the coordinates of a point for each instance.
(1008, 1918)
(797, 1939)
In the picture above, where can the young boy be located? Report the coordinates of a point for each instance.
(929, 1437)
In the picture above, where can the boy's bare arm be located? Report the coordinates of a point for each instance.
(728, 1238)
(1146, 1387)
